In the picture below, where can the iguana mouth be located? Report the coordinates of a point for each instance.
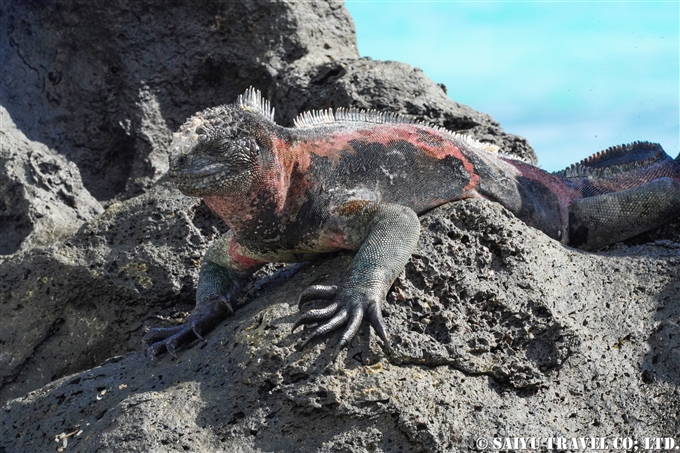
(196, 187)
(198, 184)
(196, 181)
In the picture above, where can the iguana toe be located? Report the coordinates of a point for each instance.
(194, 327)
(155, 339)
(317, 292)
(375, 317)
(223, 302)
(167, 339)
(170, 347)
(334, 323)
(156, 334)
(320, 314)
(160, 339)
(352, 328)
(348, 308)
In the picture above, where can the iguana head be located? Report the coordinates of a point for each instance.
(219, 151)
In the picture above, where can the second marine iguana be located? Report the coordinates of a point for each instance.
(357, 180)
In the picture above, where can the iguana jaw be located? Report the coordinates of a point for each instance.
(215, 184)
(199, 177)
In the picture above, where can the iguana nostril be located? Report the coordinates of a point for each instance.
(178, 160)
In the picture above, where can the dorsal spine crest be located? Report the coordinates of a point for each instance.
(252, 101)
(590, 166)
(327, 117)
(316, 118)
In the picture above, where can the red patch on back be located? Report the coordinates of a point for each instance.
(331, 145)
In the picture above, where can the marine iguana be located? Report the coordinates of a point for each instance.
(357, 180)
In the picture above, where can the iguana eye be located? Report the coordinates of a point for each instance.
(219, 147)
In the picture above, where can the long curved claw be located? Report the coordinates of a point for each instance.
(375, 317)
(349, 333)
(194, 328)
(317, 292)
(334, 323)
(170, 347)
(168, 339)
(317, 315)
(224, 302)
(351, 330)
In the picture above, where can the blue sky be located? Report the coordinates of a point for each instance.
(572, 77)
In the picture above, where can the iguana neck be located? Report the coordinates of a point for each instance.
(259, 209)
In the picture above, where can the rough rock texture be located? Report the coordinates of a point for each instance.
(70, 306)
(42, 198)
(106, 82)
(497, 331)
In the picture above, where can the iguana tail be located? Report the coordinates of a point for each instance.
(619, 168)
(626, 190)
(605, 219)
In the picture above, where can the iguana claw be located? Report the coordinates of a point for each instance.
(345, 309)
(317, 292)
(196, 332)
(168, 339)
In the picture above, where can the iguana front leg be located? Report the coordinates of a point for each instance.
(225, 269)
(386, 236)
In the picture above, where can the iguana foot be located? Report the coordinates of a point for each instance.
(347, 308)
(161, 339)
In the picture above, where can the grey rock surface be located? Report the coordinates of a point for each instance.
(106, 82)
(70, 306)
(42, 198)
(497, 331)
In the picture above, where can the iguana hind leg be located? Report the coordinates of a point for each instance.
(605, 219)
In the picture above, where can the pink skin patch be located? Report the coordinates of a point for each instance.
(564, 193)
(331, 241)
(434, 143)
(239, 259)
(235, 211)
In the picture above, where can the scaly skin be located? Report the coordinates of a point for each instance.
(358, 180)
